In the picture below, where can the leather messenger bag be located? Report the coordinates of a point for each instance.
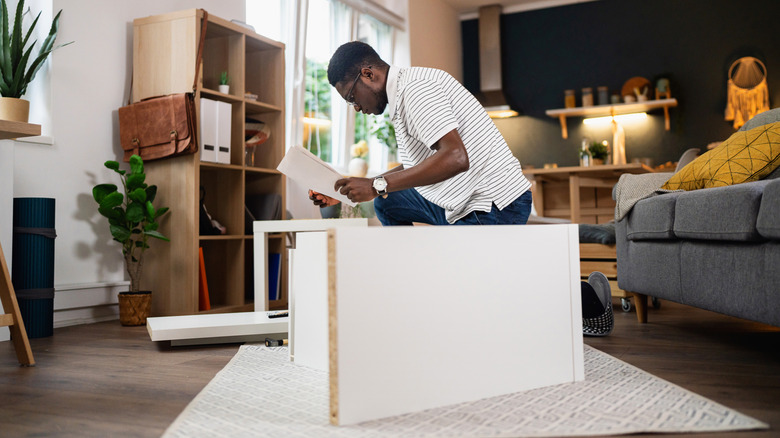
(163, 126)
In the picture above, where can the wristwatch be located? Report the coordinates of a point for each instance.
(380, 185)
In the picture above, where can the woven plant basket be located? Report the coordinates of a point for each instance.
(134, 307)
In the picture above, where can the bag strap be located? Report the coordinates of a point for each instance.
(198, 58)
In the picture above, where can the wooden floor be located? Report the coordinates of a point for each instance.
(102, 380)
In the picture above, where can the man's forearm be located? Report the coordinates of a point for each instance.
(449, 160)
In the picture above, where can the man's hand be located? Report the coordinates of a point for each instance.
(356, 189)
(321, 200)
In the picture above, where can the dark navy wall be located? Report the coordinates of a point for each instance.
(606, 42)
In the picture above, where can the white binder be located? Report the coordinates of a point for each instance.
(208, 130)
(224, 114)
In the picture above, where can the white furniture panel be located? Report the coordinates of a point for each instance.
(216, 328)
(309, 300)
(422, 317)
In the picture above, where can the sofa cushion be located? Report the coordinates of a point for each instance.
(652, 218)
(745, 156)
(770, 116)
(723, 213)
(768, 222)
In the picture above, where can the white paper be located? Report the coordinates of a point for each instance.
(309, 171)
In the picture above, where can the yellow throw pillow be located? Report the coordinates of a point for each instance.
(745, 156)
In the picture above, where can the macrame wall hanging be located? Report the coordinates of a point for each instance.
(748, 92)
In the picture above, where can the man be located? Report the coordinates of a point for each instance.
(456, 167)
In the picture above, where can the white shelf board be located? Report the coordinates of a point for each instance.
(215, 326)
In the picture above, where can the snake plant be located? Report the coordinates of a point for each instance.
(15, 52)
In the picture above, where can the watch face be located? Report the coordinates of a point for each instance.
(380, 184)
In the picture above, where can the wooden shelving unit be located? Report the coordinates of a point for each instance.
(164, 52)
(612, 110)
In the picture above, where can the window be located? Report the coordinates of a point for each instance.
(379, 36)
(329, 125)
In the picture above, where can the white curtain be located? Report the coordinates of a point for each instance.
(298, 203)
(344, 29)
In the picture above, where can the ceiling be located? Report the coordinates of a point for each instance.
(468, 7)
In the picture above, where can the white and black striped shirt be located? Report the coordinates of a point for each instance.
(425, 104)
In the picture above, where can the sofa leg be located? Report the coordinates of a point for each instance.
(640, 300)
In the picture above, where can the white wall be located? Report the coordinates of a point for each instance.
(434, 36)
(89, 80)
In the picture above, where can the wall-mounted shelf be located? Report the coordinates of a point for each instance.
(11, 130)
(611, 110)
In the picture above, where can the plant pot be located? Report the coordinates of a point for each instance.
(134, 307)
(597, 162)
(358, 167)
(14, 110)
(224, 89)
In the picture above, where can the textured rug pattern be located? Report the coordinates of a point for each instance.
(261, 393)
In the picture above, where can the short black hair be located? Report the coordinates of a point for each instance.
(349, 58)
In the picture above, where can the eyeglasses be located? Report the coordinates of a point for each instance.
(350, 98)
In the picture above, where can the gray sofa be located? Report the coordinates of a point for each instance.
(716, 249)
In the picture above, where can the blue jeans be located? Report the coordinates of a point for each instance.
(407, 206)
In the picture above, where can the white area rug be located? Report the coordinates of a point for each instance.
(261, 393)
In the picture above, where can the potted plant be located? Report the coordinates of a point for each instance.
(223, 83)
(132, 220)
(599, 152)
(15, 75)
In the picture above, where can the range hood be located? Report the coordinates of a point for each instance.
(491, 94)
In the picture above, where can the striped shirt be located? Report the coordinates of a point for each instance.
(427, 103)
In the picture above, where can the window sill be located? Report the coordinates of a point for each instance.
(40, 139)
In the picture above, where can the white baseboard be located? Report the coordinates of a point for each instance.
(87, 303)
(76, 304)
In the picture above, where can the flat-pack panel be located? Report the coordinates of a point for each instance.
(421, 317)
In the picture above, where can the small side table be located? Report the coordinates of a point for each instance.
(13, 318)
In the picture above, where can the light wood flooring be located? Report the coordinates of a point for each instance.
(104, 380)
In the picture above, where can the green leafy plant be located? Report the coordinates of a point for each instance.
(223, 78)
(14, 53)
(384, 131)
(598, 150)
(131, 217)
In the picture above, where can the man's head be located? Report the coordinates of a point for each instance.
(359, 75)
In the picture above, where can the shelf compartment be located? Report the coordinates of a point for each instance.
(224, 272)
(222, 51)
(224, 205)
(257, 183)
(611, 110)
(276, 244)
(263, 197)
(265, 70)
(269, 154)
